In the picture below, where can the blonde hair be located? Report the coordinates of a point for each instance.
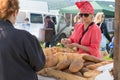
(99, 17)
(92, 17)
(77, 18)
(7, 8)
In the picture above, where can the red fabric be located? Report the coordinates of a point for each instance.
(91, 38)
(85, 7)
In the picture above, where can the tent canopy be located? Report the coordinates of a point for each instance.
(98, 7)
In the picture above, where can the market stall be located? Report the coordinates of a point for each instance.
(98, 7)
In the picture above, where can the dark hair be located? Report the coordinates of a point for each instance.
(47, 17)
(26, 19)
(54, 20)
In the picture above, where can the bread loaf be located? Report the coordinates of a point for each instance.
(84, 69)
(74, 56)
(63, 63)
(51, 61)
(78, 74)
(91, 73)
(52, 50)
(86, 63)
(68, 50)
(92, 58)
(95, 66)
(76, 65)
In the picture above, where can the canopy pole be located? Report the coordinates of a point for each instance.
(64, 15)
(70, 19)
(117, 41)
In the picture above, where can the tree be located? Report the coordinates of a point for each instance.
(117, 41)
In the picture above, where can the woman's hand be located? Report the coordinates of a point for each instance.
(65, 41)
(72, 45)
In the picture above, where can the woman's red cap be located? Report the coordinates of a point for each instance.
(85, 7)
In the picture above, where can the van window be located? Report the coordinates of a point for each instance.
(36, 18)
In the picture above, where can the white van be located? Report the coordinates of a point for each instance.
(36, 20)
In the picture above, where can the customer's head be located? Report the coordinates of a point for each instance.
(26, 20)
(9, 9)
(47, 18)
(99, 17)
(86, 11)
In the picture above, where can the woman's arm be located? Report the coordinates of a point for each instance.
(85, 48)
(72, 45)
(94, 45)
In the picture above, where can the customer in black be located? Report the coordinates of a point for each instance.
(20, 53)
(51, 25)
(99, 20)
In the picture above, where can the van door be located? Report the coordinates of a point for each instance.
(36, 23)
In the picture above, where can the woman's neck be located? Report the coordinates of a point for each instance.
(86, 25)
(10, 20)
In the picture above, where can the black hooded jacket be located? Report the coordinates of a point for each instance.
(20, 54)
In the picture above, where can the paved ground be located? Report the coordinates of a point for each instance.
(45, 78)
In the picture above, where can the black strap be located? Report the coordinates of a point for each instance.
(85, 31)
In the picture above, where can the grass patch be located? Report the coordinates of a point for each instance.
(108, 57)
(42, 44)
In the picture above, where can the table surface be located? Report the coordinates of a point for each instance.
(45, 78)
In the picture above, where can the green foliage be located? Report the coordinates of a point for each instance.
(59, 45)
(42, 44)
(108, 57)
